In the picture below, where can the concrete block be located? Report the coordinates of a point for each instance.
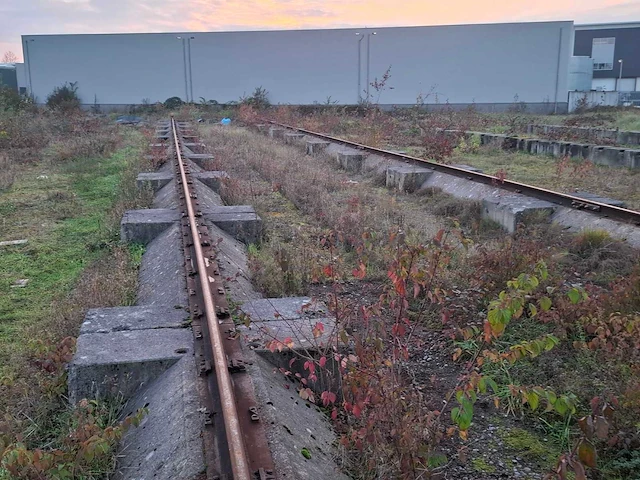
(142, 226)
(194, 147)
(200, 159)
(632, 158)
(628, 138)
(212, 179)
(240, 221)
(611, 156)
(598, 198)
(290, 317)
(154, 180)
(168, 443)
(315, 146)
(293, 138)
(407, 178)
(511, 210)
(157, 180)
(277, 132)
(119, 363)
(351, 162)
(120, 319)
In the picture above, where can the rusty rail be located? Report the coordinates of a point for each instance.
(232, 425)
(566, 200)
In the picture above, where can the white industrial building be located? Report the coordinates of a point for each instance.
(486, 65)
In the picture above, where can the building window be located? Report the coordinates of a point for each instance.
(602, 52)
(603, 66)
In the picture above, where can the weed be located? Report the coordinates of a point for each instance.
(64, 98)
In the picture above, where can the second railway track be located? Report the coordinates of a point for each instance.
(601, 209)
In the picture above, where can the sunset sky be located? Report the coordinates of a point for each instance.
(19, 17)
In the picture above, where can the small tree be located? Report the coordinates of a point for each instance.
(9, 57)
(259, 99)
(64, 98)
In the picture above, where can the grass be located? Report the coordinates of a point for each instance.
(68, 207)
(529, 446)
(65, 219)
(566, 177)
(300, 198)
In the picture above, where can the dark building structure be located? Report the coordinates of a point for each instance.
(615, 50)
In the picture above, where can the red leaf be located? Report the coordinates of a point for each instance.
(334, 413)
(579, 471)
(356, 411)
(328, 270)
(398, 330)
(587, 453)
(323, 361)
(318, 330)
(360, 272)
(438, 238)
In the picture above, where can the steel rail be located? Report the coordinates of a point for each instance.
(566, 200)
(237, 451)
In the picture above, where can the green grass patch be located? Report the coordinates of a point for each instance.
(63, 212)
(531, 447)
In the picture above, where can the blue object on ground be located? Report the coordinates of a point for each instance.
(225, 121)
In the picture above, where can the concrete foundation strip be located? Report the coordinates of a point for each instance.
(218, 352)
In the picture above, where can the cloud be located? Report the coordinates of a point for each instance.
(115, 16)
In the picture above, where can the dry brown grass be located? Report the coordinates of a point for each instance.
(318, 196)
(7, 171)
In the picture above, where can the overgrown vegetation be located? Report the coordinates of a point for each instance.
(74, 177)
(542, 324)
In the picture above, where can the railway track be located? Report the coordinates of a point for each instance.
(563, 199)
(234, 439)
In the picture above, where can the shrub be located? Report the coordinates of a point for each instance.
(259, 99)
(10, 100)
(64, 98)
(173, 103)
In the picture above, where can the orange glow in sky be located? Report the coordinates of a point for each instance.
(19, 17)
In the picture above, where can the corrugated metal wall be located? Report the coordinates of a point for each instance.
(482, 64)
